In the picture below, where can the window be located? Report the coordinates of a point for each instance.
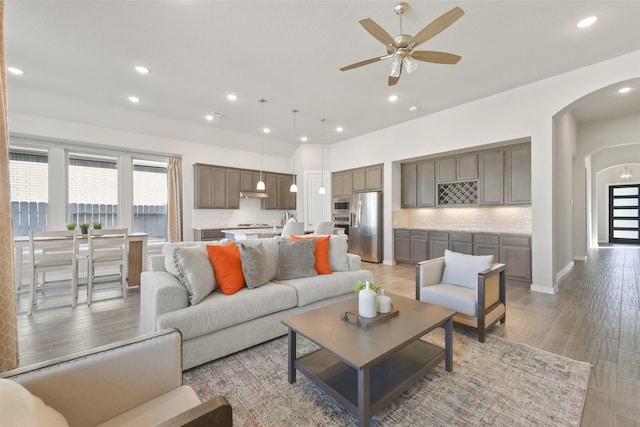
(150, 198)
(29, 183)
(93, 189)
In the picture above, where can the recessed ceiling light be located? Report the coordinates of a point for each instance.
(209, 117)
(624, 90)
(232, 97)
(304, 139)
(587, 22)
(413, 108)
(134, 99)
(266, 130)
(141, 69)
(339, 129)
(214, 115)
(16, 71)
(393, 98)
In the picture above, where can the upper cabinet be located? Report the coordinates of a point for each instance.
(369, 178)
(219, 187)
(341, 184)
(518, 175)
(490, 177)
(418, 184)
(460, 168)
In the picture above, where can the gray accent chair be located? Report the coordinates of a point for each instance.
(134, 382)
(478, 308)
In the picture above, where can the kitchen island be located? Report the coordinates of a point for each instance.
(251, 233)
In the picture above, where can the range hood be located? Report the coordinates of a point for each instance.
(253, 195)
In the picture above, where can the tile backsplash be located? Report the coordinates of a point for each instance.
(250, 212)
(504, 219)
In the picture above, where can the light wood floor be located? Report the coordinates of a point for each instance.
(594, 317)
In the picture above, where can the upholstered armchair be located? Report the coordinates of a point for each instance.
(136, 382)
(474, 286)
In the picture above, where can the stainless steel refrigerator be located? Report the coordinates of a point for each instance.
(365, 226)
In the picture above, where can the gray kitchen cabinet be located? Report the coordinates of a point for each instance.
(461, 242)
(408, 184)
(232, 189)
(271, 187)
(359, 180)
(491, 177)
(446, 170)
(518, 175)
(467, 167)
(438, 243)
(210, 192)
(419, 245)
(402, 245)
(283, 191)
(425, 183)
(290, 201)
(249, 180)
(341, 184)
(487, 244)
(515, 253)
(374, 177)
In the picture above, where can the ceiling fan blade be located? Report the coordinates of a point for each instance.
(378, 32)
(365, 62)
(437, 26)
(393, 80)
(436, 57)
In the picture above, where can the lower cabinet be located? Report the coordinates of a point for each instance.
(413, 246)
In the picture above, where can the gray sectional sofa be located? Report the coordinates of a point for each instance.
(218, 324)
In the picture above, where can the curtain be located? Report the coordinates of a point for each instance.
(174, 208)
(8, 327)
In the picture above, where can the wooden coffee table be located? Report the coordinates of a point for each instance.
(366, 368)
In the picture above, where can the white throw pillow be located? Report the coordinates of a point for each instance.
(18, 407)
(338, 252)
(462, 269)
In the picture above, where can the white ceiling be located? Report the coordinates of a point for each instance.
(78, 58)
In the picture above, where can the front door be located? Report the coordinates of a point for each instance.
(624, 219)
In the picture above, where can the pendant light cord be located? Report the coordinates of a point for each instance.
(294, 111)
(261, 101)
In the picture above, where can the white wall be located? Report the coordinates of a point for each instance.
(190, 152)
(522, 112)
(601, 144)
(565, 130)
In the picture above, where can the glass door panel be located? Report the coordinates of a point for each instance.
(624, 222)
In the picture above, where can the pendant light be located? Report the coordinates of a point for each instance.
(322, 190)
(294, 187)
(260, 186)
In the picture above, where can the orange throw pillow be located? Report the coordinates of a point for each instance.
(227, 267)
(321, 253)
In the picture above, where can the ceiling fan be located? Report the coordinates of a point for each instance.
(401, 47)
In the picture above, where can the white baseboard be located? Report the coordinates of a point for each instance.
(388, 262)
(564, 270)
(580, 258)
(545, 289)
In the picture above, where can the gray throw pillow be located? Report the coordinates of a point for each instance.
(296, 259)
(255, 265)
(194, 272)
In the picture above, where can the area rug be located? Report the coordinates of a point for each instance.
(498, 383)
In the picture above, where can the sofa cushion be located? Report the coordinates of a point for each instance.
(296, 259)
(338, 252)
(254, 265)
(169, 248)
(18, 407)
(312, 289)
(458, 298)
(194, 272)
(218, 311)
(155, 411)
(462, 269)
(227, 267)
(321, 252)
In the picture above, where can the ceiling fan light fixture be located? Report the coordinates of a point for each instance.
(395, 66)
(409, 64)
